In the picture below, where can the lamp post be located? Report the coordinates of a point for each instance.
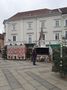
(61, 57)
(61, 49)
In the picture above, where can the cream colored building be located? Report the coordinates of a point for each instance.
(1, 41)
(25, 27)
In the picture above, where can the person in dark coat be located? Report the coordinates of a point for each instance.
(34, 55)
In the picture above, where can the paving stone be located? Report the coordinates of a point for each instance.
(5, 88)
(3, 81)
(43, 82)
(41, 88)
(18, 77)
(19, 89)
(14, 84)
(29, 79)
(28, 87)
(22, 75)
(25, 76)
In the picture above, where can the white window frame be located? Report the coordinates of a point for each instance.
(14, 38)
(57, 23)
(30, 39)
(57, 36)
(13, 26)
(66, 23)
(66, 34)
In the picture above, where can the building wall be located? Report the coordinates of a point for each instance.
(30, 31)
(22, 30)
(1, 43)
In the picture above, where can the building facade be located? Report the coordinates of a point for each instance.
(1, 41)
(25, 27)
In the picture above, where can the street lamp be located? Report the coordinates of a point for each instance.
(61, 60)
(61, 49)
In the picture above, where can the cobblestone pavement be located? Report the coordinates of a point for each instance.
(22, 75)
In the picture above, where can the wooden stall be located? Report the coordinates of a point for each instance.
(16, 51)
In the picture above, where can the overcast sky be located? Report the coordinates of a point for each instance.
(10, 7)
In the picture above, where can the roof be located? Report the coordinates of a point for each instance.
(36, 13)
(64, 10)
(28, 14)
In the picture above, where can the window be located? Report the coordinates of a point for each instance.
(14, 26)
(57, 23)
(65, 22)
(57, 36)
(14, 38)
(30, 39)
(29, 25)
(66, 34)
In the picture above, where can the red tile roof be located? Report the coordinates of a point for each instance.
(36, 13)
(28, 14)
(64, 10)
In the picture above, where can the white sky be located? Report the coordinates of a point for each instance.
(11, 7)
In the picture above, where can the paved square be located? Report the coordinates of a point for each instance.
(22, 75)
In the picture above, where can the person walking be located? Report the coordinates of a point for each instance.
(34, 55)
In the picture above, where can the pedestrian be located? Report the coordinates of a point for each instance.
(34, 55)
